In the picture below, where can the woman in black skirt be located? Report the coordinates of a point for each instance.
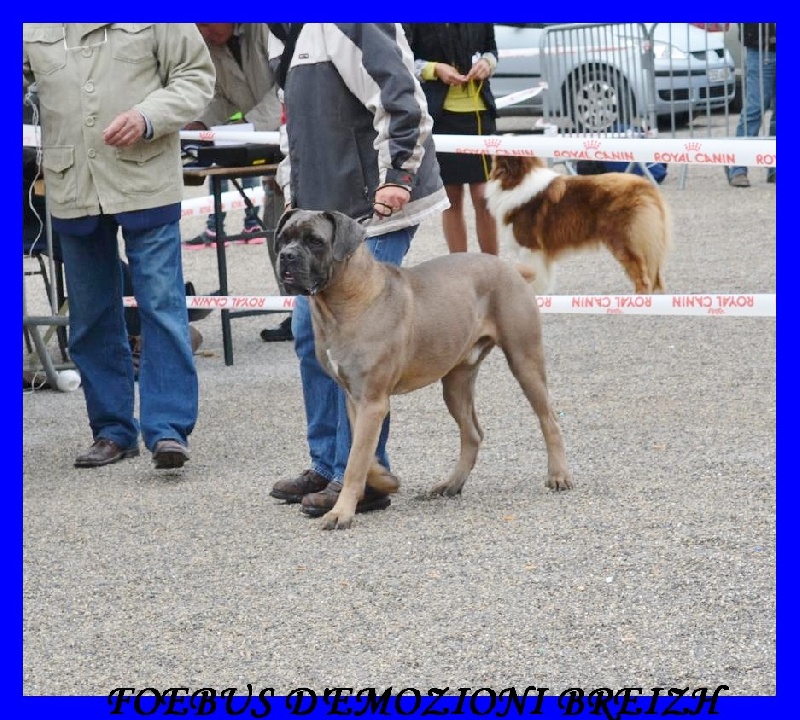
(453, 62)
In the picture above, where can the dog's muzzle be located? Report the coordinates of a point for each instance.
(295, 275)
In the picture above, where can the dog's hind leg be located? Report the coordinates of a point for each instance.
(458, 388)
(635, 268)
(526, 360)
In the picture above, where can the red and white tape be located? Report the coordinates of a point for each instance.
(749, 152)
(710, 304)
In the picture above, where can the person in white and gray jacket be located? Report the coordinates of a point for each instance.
(359, 141)
(112, 99)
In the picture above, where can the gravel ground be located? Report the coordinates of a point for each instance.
(658, 569)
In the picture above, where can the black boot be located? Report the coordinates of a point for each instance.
(281, 333)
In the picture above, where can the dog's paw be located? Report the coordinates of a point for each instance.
(559, 480)
(444, 489)
(337, 520)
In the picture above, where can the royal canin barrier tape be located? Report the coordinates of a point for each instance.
(746, 152)
(710, 304)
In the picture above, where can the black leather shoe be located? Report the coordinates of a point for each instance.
(104, 452)
(169, 454)
(282, 333)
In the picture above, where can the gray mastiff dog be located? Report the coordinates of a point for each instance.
(381, 330)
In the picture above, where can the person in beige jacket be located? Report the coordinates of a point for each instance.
(112, 98)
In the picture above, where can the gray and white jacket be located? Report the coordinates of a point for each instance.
(356, 118)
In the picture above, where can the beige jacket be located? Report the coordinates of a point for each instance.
(250, 89)
(87, 74)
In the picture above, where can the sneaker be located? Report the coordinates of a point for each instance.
(318, 503)
(169, 454)
(739, 180)
(294, 490)
(204, 240)
(282, 333)
(252, 241)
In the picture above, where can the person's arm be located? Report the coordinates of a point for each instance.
(284, 171)
(430, 70)
(485, 64)
(377, 65)
(266, 114)
(188, 76)
(218, 110)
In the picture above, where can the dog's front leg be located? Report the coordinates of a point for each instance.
(366, 419)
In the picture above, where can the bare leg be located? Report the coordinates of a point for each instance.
(484, 221)
(455, 229)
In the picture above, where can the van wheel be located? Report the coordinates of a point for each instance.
(596, 99)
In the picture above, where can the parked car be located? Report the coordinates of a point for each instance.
(598, 76)
(733, 44)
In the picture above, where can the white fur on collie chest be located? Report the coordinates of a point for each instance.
(501, 202)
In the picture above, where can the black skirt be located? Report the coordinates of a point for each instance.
(460, 168)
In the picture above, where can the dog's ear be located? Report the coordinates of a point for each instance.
(347, 235)
(282, 220)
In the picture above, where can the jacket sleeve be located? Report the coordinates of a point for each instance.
(377, 65)
(283, 174)
(219, 110)
(266, 115)
(187, 74)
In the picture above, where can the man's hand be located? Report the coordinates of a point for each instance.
(125, 129)
(389, 199)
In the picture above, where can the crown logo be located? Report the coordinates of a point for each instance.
(693, 146)
(591, 144)
(492, 142)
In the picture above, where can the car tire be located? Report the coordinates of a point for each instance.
(735, 105)
(598, 98)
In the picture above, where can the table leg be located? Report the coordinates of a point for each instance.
(222, 266)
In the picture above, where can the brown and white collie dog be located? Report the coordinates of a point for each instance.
(546, 215)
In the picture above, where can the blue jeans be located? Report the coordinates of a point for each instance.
(327, 424)
(759, 94)
(98, 339)
(250, 216)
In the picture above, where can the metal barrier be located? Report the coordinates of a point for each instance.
(724, 115)
(685, 80)
(599, 81)
(596, 76)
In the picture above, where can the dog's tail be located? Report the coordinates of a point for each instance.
(664, 246)
(380, 479)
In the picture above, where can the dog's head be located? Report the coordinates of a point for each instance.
(311, 245)
(509, 170)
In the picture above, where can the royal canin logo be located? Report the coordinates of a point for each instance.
(591, 144)
(693, 146)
